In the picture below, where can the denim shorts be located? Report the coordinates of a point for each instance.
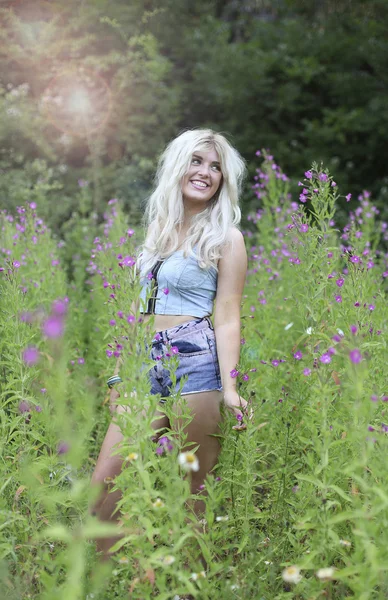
(195, 346)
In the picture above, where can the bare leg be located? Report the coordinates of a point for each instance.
(206, 409)
(106, 469)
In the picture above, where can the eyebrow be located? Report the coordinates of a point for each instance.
(215, 162)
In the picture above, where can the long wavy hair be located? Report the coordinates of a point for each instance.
(164, 209)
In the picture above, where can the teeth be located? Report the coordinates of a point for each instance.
(200, 183)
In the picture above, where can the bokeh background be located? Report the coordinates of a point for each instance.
(91, 92)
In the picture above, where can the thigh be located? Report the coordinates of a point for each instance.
(203, 429)
(109, 466)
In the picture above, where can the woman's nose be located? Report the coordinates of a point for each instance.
(204, 169)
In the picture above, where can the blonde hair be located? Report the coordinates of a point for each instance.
(165, 210)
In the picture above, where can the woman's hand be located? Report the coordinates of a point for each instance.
(237, 406)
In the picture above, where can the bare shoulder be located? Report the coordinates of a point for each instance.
(232, 270)
(234, 243)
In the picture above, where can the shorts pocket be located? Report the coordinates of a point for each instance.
(193, 344)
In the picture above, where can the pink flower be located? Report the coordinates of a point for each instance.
(59, 307)
(53, 327)
(325, 358)
(348, 197)
(340, 281)
(62, 448)
(306, 372)
(31, 356)
(355, 356)
(24, 407)
(308, 175)
(234, 373)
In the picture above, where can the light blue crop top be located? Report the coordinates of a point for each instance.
(191, 290)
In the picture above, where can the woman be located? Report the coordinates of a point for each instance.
(194, 205)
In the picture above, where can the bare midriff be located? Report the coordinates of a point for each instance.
(163, 322)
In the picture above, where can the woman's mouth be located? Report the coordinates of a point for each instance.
(199, 185)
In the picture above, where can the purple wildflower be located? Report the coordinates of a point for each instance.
(325, 358)
(308, 175)
(24, 407)
(340, 281)
(338, 298)
(353, 329)
(62, 448)
(298, 355)
(306, 372)
(53, 327)
(31, 356)
(234, 373)
(59, 307)
(355, 356)
(304, 228)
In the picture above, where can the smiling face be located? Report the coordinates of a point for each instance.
(202, 180)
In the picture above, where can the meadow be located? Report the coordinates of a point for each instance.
(298, 504)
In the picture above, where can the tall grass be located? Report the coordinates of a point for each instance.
(304, 488)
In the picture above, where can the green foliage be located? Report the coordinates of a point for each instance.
(308, 78)
(303, 485)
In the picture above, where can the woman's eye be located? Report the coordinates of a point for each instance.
(194, 160)
(216, 167)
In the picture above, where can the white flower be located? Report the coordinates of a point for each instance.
(13, 112)
(224, 518)
(309, 330)
(188, 461)
(132, 456)
(268, 562)
(168, 560)
(200, 575)
(325, 574)
(292, 574)
(123, 560)
(345, 543)
(158, 503)
(340, 332)
(287, 327)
